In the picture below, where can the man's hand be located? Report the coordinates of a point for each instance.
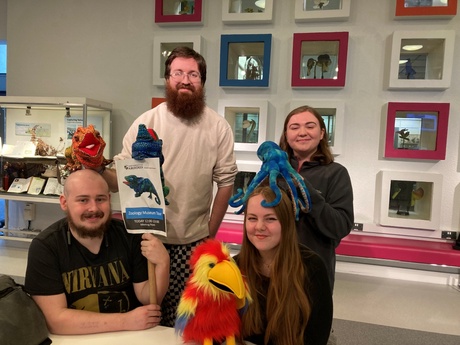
(144, 317)
(154, 250)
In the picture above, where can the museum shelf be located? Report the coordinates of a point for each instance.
(49, 123)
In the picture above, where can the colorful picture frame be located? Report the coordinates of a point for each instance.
(319, 59)
(409, 199)
(187, 12)
(416, 9)
(314, 10)
(245, 60)
(258, 12)
(246, 172)
(156, 101)
(248, 119)
(162, 47)
(417, 130)
(421, 60)
(333, 113)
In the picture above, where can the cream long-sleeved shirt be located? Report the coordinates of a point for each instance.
(196, 155)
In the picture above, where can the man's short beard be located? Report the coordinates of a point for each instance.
(85, 232)
(184, 105)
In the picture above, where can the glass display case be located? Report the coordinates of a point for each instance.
(36, 133)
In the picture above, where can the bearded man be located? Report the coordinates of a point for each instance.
(86, 273)
(198, 150)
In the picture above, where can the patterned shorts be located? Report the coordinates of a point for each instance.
(179, 255)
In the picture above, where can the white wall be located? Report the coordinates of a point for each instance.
(2, 20)
(103, 50)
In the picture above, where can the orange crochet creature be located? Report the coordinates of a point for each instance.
(86, 150)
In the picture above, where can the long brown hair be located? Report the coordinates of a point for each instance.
(323, 153)
(288, 306)
(188, 53)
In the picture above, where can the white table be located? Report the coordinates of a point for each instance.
(157, 335)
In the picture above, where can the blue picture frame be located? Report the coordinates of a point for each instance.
(251, 51)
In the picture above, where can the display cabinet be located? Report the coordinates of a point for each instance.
(247, 170)
(333, 114)
(37, 131)
(316, 10)
(245, 60)
(186, 12)
(319, 59)
(428, 9)
(247, 11)
(421, 60)
(417, 130)
(248, 119)
(162, 47)
(409, 199)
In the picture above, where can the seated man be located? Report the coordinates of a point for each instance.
(86, 273)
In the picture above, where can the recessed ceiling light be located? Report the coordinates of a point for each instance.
(403, 61)
(260, 3)
(412, 47)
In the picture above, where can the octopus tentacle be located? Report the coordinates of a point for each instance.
(275, 164)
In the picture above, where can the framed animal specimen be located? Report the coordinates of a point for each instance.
(409, 199)
(425, 9)
(247, 12)
(245, 60)
(248, 119)
(162, 47)
(319, 59)
(321, 10)
(417, 130)
(421, 60)
(246, 172)
(178, 12)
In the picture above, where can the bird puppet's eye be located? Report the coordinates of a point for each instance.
(212, 264)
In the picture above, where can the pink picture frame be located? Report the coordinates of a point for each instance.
(417, 130)
(171, 18)
(319, 59)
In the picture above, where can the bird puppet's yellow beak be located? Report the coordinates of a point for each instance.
(226, 276)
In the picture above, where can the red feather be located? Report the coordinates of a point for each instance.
(216, 314)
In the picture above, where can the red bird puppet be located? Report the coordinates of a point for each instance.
(214, 294)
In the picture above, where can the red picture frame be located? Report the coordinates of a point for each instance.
(323, 39)
(156, 101)
(433, 120)
(425, 11)
(194, 18)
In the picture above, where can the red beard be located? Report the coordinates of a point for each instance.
(186, 106)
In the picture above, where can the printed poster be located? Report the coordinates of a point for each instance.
(141, 195)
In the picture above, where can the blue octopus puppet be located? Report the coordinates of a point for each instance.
(275, 163)
(148, 145)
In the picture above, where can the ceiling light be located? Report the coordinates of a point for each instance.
(403, 61)
(260, 3)
(412, 47)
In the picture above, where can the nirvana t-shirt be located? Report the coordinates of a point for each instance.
(103, 282)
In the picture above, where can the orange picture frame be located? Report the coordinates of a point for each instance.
(426, 11)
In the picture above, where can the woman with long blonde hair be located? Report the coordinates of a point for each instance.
(288, 282)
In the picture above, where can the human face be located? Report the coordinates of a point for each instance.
(184, 85)
(87, 205)
(262, 226)
(303, 135)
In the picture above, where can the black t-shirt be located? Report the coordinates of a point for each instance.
(58, 263)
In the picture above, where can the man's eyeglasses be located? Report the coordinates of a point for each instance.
(179, 76)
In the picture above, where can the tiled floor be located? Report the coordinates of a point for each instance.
(398, 303)
(372, 294)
